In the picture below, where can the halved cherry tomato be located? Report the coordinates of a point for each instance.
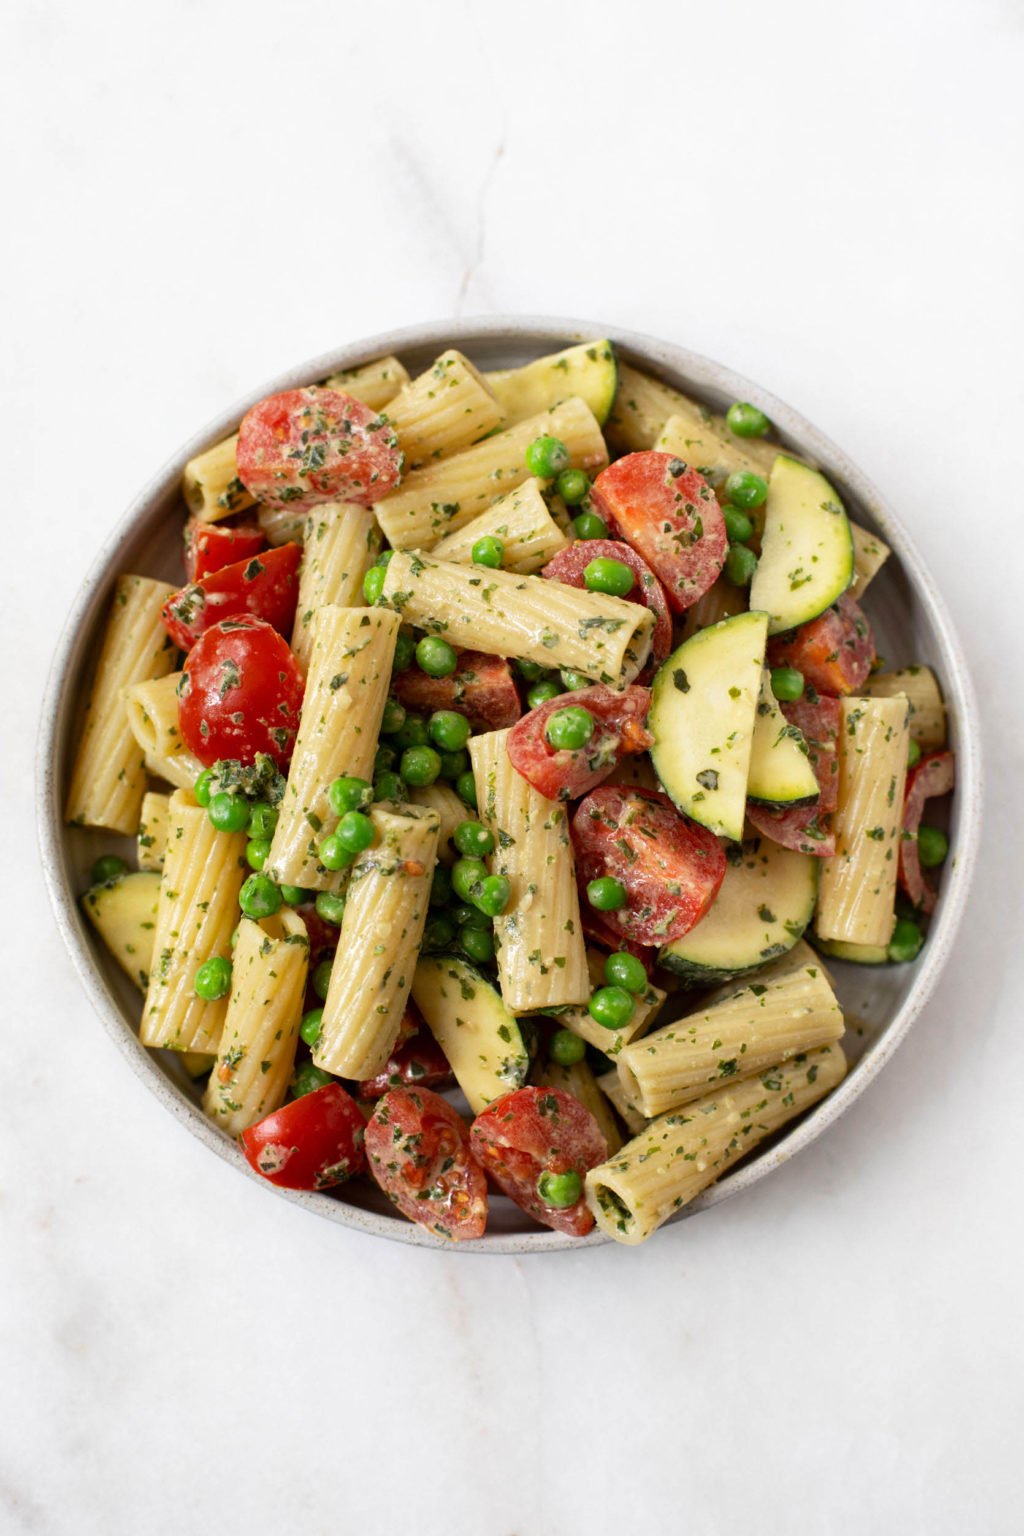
(808, 828)
(835, 651)
(533, 1131)
(672, 869)
(598, 931)
(266, 586)
(211, 546)
(305, 446)
(669, 514)
(416, 1063)
(419, 1153)
(570, 563)
(481, 688)
(934, 775)
(564, 775)
(313, 1143)
(240, 694)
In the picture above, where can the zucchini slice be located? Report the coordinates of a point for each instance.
(765, 904)
(702, 717)
(780, 769)
(471, 1024)
(588, 371)
(123, 912)
(806, 559)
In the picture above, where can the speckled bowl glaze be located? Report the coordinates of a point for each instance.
(907, 613)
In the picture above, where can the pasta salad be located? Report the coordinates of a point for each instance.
(508, 767)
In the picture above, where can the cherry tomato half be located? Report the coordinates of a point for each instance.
(533, 1131)
(305, 446)
(313, 1143)
(569, 565)
(934, 775)
(266, 586)
(561, 774)
(835, 651)
(416, 1063)
(419, 1153)
(211, 546)
(240, 694)
(481, 688)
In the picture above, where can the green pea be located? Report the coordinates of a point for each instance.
(589, 526)
(322, 978)
(385, 558)
(405, 649)
(465, 915)
(745, 420)
(547, 456)
(906, 941)
(453, 765)
(373, 584)
(740, 565)
(257, 851)
(259, 897)
(385, 758)
(606, 894)
(448, 730)
(348, 794)
(436, 657)
(420, 766)
(566, 1048)
(202, 787)
(738, 525)
(393, 717)
(611, 1007)
(309, 1028)
(477, 943)
(355, 831)
(625, 970)
(541, 692)
(413, 733)
(262, 820)
(611, 576)
(229, 813)
(913, 754)
(529, 671)
(331, 907)
(108, 868)
(441, 886)
(560, 1190)
(333, 853)
(388, 786)
(493, 895)
(932, 846)
(468, 876)
(465, 788)
(745, 489)
(573, 681)
(572, 485)
(213, 979)
(488, 551)
(787, 684)
(295, 895)
(569, 729)
(473, 840)
(308, 1078)
(439, 932)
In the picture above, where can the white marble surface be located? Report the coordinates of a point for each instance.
(826, 198)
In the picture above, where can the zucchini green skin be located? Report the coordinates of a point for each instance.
(806, 559)
(588, 370)
(853, 954)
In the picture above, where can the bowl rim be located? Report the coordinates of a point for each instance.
(702, 374)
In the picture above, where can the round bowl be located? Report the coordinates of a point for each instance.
(907, 614)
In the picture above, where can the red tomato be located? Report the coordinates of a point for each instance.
(601, 932)
(313, 1143)
(934, 775)
(481, 688)
(419, 1062)
(671, 868)
(311, 445)
(266, 586)
(569, 564)
(241, 694)
(564, 775)
(419, 1154)
(834, 652)
(533, 1131)
(808, 828)
(211, 546)
(669, 514)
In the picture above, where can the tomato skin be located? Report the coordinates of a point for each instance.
(482, 688)
(808, 828)
(419, 1153)
(670, 516)
(533, 1131)
(266, 586)
(305, 446)
(564, 775)
(934, 775)
(211, 546)
(835, 652)
(315, 1142)
(568, 567)
(672, 869)
(600, 932)
(415, 1063)
(240, 694)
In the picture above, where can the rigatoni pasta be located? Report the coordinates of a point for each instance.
(210, 483)
(151, 838)
(646, 1007)
(152, 710)
(919, 686)
(375, 384)
(340, 543)
(444, 409)
(529, 535)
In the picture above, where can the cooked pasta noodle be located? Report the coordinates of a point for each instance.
(582, 1084)
(529, 535)
(152, 709)
(446, 408)
(340, 543)
(646, 1007)
(869, 555)
(151, 838)
(920, 687)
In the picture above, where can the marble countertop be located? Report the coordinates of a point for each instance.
(828, 200)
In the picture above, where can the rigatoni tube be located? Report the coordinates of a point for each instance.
(443, 410)
(152, 710)
(920, 687)
(340, 543)
(646, 1007)
(529, 535)
(151, 838)
(375, 384)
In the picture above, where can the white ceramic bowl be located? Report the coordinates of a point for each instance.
(907, 614)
